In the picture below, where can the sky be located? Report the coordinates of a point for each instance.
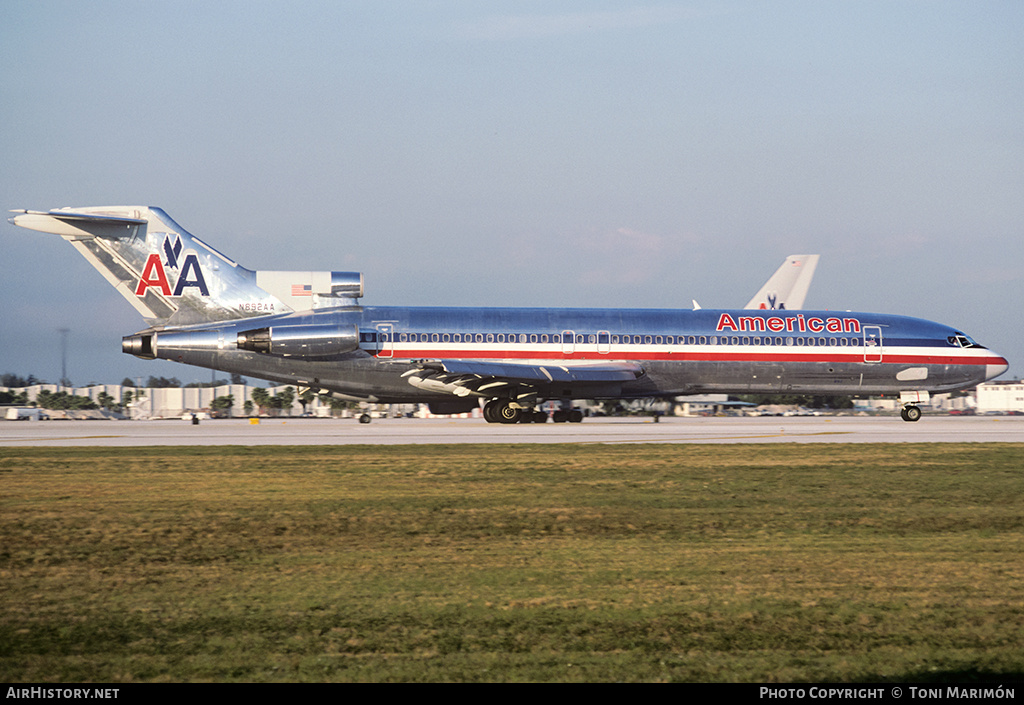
(605, 154)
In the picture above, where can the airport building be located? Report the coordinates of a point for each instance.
(174, 402)
(1001, 396)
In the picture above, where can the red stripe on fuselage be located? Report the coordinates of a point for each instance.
(896, 358)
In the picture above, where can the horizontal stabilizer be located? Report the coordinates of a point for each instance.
(78, 224)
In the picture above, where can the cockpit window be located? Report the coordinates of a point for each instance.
(963, 341)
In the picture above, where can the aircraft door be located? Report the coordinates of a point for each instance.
(385, 340)
(568, 342)
(872, 344)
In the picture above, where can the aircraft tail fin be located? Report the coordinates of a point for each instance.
(787, 288)
(173, 278)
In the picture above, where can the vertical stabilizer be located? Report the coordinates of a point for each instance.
(170, 276)
(787, 288)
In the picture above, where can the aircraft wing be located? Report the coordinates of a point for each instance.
(465, 377)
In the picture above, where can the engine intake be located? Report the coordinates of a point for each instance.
(303, 341)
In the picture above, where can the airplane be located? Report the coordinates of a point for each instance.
(308, 328)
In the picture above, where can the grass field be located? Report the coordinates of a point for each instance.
(507, 563)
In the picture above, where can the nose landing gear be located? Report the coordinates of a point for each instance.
(910, 400)
(910, 413)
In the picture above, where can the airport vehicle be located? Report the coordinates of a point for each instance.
(309, 329)
(25, 414)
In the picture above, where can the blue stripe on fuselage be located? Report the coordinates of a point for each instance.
(896, 330)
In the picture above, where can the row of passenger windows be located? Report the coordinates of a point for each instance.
(605, 339)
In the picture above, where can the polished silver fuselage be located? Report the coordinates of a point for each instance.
(680, 351)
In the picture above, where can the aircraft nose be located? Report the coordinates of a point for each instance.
(996, 369)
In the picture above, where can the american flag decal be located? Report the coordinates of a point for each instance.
(302, 289)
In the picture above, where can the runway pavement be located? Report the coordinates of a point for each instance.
(296, 431)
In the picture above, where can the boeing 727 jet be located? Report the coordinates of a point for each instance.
(309, 329)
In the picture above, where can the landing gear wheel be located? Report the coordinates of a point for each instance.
(539, 416)
(575, 416)
(491, 411)
(506, 414)
(911, 413)
(560, 416)
(364, 418)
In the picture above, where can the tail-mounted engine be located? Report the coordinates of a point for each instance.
(201, 347)
(302, 341)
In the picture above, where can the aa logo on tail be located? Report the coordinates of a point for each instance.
(189, 273)
(772, 298)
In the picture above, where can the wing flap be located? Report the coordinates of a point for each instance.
(619, 371)
(484, 378)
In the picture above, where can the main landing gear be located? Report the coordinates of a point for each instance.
(504, 411)
(910, 413)
(570, 415)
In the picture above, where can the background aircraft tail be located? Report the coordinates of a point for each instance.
(787, 288)
(173, 278)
